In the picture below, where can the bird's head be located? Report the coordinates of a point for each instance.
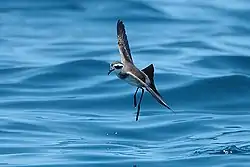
(116, 67)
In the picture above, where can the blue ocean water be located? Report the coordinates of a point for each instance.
(59, 108)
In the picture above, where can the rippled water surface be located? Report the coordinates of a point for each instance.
(58, 106)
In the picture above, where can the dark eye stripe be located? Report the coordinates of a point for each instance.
(118, 67)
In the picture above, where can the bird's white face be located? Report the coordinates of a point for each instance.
(116, 67)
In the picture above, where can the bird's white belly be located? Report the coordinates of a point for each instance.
(132, 81)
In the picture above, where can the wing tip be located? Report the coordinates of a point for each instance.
(165, 105)
(120, 24)
(119, 21)
(169, 108)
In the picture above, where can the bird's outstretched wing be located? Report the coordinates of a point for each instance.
(151, 91)
(123, 43)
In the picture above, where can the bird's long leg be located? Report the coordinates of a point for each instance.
(135, 104)
(139, 105)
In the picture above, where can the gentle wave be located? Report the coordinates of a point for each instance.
(59, 107)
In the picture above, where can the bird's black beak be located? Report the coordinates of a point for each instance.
(110, 71)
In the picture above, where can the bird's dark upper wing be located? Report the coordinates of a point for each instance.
(151, 91)
(123, 43)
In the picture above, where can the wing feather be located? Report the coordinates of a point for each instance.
(151, 91)
(123, 43)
